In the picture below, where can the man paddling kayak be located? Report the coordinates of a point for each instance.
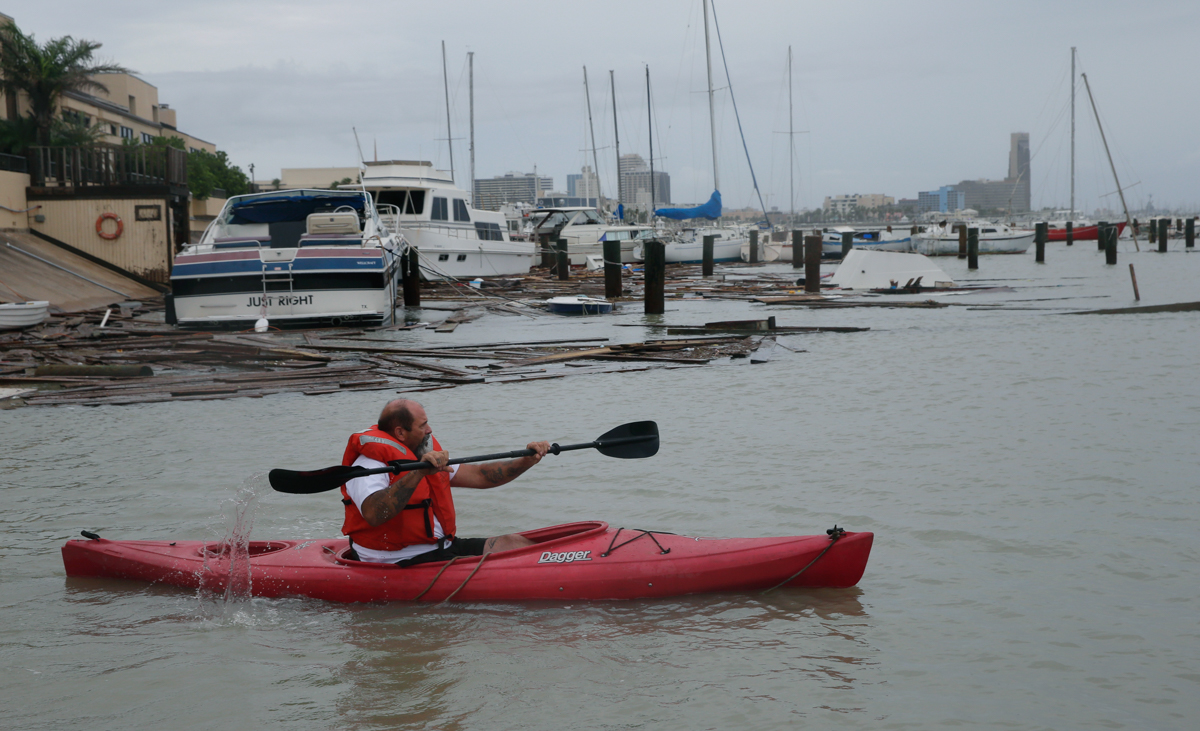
(408, 518)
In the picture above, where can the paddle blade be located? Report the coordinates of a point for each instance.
(635, 440)
(307, 483)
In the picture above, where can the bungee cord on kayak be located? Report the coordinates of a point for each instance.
(661, 550)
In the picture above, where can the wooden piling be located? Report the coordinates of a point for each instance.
(847, 242)
(547, 252)
(1189, 233)
(1164, 228)
(1153, 233)
(972, 235)
(797, 249)
(1041, 233)
(612, 269)
(1100, 227)
(1110, 245)
(1133, 276)
(655, 272)
(410, 277)
(962, 242)
(753, 246)
(706, 262)
(812, 262)
(563, 261)
(1070, 233)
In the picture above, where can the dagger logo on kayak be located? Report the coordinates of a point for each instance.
(565, 557)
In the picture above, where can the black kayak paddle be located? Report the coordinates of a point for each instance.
(634, 440)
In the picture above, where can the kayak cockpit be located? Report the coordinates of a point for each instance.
(253, 549)
(542, 538)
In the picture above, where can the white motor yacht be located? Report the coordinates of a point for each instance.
(452, 238)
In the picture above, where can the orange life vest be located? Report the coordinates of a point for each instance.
(414, 523)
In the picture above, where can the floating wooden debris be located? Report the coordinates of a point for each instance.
(1150, 309)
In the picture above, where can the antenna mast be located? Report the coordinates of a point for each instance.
(1117, 180)
(446, 87)
(712, 118)
(592, 130)
(471, 87)
(650, 125)
(1072, 133)
(616, 135)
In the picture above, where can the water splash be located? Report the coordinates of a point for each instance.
(228, 561)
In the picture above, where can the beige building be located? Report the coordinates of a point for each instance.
(847, 203)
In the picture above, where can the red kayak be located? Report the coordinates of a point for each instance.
(574, 561)
(1083, 233)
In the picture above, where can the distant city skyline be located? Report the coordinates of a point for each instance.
(913, 108)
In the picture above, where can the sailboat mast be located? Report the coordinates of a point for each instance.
(1117, 180)
(446, 87)
(595, 160)
(791, 144)
(616, 135)
(471, 88)
(712, 117)
(650, 125)
(1072, 133)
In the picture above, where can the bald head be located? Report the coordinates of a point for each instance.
(399, 412)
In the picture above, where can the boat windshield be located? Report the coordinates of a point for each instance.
(290, 206)
(584, 218)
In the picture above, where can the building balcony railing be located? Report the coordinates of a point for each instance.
(13, 163)
(106, 165)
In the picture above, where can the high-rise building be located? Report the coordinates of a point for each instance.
(637, 189)
(1018, 171)
(491, 193)
(626, 165)
(1014, 193)
(584, 185)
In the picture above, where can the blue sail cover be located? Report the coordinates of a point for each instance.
(710, 210)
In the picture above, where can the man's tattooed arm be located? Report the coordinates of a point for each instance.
(498, 473)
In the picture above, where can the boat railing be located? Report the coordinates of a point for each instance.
(456, 232)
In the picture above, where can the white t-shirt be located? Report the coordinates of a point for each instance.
(360, 488)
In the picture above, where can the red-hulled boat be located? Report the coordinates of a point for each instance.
(1083, 233)
(575, 561)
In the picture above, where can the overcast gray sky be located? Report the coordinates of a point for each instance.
(894, 97)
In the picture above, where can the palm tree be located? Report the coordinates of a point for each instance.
(45, 72)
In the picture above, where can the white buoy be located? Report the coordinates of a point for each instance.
(262, 325)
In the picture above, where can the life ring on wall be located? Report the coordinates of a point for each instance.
(100, 226)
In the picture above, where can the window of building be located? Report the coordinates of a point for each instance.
(126, 133)
(193, 149)
(74, 117)
(440, 210)
(460, 210)
(147, 137)
(112, 130)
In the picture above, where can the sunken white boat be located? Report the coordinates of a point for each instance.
(294, 257)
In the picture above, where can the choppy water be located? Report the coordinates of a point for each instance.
(1031, 478)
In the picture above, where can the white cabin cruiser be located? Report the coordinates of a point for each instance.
(586, 232)
(994, 238)
(687, 246)
(293, 257)
(452, 238)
